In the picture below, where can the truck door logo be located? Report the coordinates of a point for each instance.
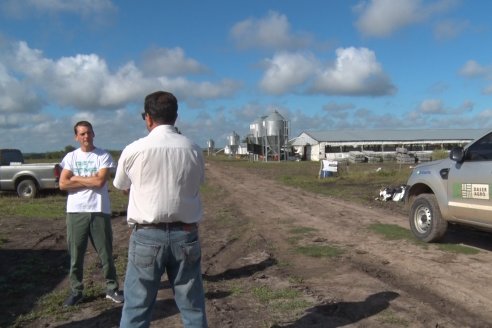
(472, 191)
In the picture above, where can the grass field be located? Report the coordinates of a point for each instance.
(359, 182)
(354, 182)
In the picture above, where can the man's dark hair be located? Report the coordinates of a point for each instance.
(82, 123)
(162, 107)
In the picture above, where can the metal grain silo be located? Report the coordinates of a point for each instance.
(211, 146)
(233, 139)
(257, 130)
(233, 142)
(276, 132)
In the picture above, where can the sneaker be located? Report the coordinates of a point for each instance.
(115, 295)
(73, 299)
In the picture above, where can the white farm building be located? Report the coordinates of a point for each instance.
(341, 144)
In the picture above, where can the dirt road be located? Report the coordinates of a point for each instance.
(374, 282)
(255, 237)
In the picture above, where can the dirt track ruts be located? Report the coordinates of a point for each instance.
(435, 288)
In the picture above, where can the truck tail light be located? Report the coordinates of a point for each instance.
(57, 170)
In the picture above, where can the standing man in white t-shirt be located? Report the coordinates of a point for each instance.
(85, 176)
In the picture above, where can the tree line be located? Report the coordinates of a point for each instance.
(59, 154)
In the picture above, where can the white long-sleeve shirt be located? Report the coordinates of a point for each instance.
(163, 171)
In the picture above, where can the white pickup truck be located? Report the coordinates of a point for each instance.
(453, 190)
(26, 179)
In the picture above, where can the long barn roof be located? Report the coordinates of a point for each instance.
(395, 135)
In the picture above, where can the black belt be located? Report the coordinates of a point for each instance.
(167, 226)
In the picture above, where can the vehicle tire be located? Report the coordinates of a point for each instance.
(426, 221)
(27, 189)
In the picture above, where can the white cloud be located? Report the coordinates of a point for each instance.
(35, 89)
(169, 62)
(33, 132)
(381, 18)
(449, 29)
(85, 81)
(285, 71)
(15, 95)
(436, 106)
(272, 31)
(487, 90)
(81, 81)
(336, 107)
(357, 72)
(431, 106)
(472, 69)
(485, 114)
(466, 106)
(196, 92)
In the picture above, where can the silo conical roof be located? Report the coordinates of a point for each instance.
(275, 116)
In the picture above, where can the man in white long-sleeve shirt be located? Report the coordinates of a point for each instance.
(163, 173)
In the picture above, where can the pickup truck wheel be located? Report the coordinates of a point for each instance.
(27, 189)
(426, 221)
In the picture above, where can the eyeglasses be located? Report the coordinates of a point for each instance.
(143, 115)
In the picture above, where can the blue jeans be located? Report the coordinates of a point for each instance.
(151, 253)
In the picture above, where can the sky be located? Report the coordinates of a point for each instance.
(322, 65)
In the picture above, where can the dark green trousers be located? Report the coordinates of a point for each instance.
(96, 227)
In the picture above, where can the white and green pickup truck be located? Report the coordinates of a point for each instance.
(453, 190)
(26, 179)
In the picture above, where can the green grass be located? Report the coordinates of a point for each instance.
(359, 182)
(388, 317)
(120, 261)
(49, 207)
(267, 294)
(291, 305)
(395, 232)
(392, 231)
(440, 154)
(284, 301)
(458, 249)
(48, 305)
(299, 234)
(235, 288)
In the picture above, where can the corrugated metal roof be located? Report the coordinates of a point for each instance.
(396, 135)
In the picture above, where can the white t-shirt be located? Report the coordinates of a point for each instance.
(87, 164)
(163, 171)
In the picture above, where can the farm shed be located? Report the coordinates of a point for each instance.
(339, 144)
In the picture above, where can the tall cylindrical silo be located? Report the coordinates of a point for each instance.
(233, 142)
(211, 146)
(257, 130)
(276, 130)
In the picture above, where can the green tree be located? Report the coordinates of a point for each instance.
(69, 148)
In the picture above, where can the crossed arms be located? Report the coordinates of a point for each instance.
(68, 181)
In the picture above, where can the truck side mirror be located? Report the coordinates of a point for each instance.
(457, 154)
